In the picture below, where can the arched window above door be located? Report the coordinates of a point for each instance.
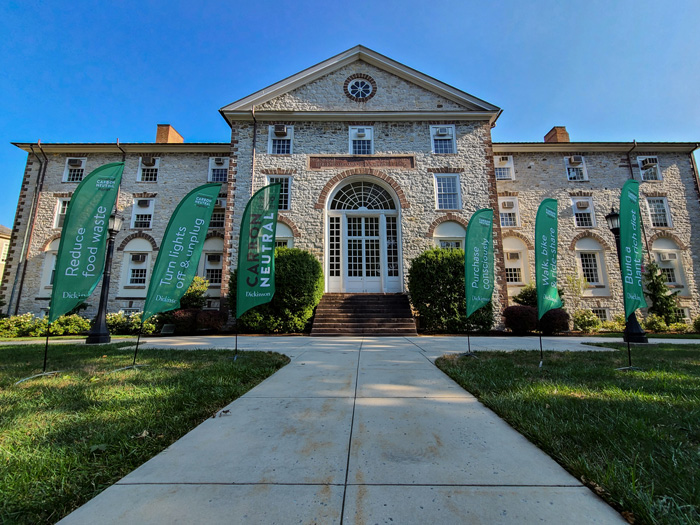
(362, 195)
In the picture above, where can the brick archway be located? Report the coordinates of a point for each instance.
(138, 235)
(667, 235)
(518, 235)
(446, 218)
(49, 241)
(325, 192)
(592, 235)
(288, 222)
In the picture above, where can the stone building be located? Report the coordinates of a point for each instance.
(378, 162)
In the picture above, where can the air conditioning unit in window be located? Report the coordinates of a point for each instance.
(213, 258)
(650, 162)
(75, 163)
(280, 130)
(148, 161)
(361, 132)
(502, 161)
(219, 161)
(220, 203)
(143, 203)
(443, 132)
(576, 160)
(513, 256)
(138, 257)
(668, 257)
(582, 205)
(507, 205)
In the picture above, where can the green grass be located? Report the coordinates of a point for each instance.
(65, 438)
(634, 437)
(660, 335)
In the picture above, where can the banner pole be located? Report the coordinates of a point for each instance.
(138, 338)
(629, 354)
(46, 347)
(541, 351)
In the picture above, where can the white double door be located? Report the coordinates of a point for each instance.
(363, 253)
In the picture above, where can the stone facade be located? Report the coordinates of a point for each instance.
(402, 110)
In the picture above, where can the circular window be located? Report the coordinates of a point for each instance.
(360, 87)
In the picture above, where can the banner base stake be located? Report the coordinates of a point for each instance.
(39, 375)
(126, 368)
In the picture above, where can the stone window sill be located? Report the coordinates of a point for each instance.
(135, 287)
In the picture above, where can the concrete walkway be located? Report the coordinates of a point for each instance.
(353, 430)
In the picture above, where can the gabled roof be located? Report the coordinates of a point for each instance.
(241, 109)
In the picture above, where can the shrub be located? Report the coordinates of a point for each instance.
(696, 324)
(120, 323)
(27, 325)
(68, 325)
(520, 319)
(211, 320)
(663, 301)
(680, 328)
(586, 321)
(194, 296)
(298, 289)
(655, 323)
(528, 296)
(436, 288)
(555, 321)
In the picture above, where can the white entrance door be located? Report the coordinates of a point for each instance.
(363, 259)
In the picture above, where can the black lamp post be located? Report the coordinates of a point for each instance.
(633, 332)
(99, 332)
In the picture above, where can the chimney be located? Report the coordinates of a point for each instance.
(557, 134)
(166, 134)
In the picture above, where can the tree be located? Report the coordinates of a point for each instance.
(194, 296)
(663, 300)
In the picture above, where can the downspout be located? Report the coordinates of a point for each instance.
(629, 163)
(29, 231)
(252, 162)
(122, 150)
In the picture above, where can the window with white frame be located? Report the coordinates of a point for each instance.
(75, 169)
(60, 215)
(138, 269)
(649, 168)
(450, 235)
(575, 168)
(682, 314)
(5, 251)
(509, 212)
(218, 169)
(361, 140)
(136, 261)
(148, 169)
(211, 264)
(280, 138)
(213, 268)
(142, 214)
(285, 182)
(668, 256)
(601, 313)
(516, 262)
(284, 236)
(49, 269)
(658, 212)
(590, 259)
(584, 213)
(504, 167)
(442, 139)
(218, 216)
(447, 194)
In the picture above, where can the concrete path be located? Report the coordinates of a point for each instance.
(353, 430)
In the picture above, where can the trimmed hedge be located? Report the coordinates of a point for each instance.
(436, 289)
(298, 289)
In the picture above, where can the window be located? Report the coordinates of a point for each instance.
(218, 217)
(649, 168)
(138, 266)
(361, 140)
(284, 236)
(600, 313)
(218, 169)
(590, 259)
(514, 275)
(142, 215)
(137, 275)
(211, 263)
(450, 245)
(285, 182)
(658, 212)
(576, 168)
(49, 270)
(5, 251)
(504, 167)
(515, 258)
(509, 212)
(584, 214)
(668, 256)
(75, 169)
(682, 314)
(589, 267)
(148, 169)
(61, 209)
(442, 139)
(449, 234)
(280, 138)
(447, 192)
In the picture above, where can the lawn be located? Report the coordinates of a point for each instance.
(634, 437)
(65, 438)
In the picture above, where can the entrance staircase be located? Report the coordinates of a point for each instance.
(363, 314)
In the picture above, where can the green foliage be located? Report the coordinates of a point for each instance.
(26, 325)
(520, 319)
(194, 296)
(663, 300)
(120, 323)
(696, 324)
(577, 284)
(436, 288)
(655, 323)
(586, 321)
(554, 321)
(528, 296)
(616, 325)
(679, 327)
(298, 289)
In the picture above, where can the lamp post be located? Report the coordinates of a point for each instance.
(633, 332)
(99, 332)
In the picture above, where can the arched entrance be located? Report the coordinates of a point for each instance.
(363, 248)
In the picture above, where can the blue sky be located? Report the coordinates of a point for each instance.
(94, 72)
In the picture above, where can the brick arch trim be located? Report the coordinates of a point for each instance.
(592, 235)
(288, 222)
(511, 233)
(668, 235)
(138, 235)
(49, 241)
(212, 235)
(325, 192)
(445, 218)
